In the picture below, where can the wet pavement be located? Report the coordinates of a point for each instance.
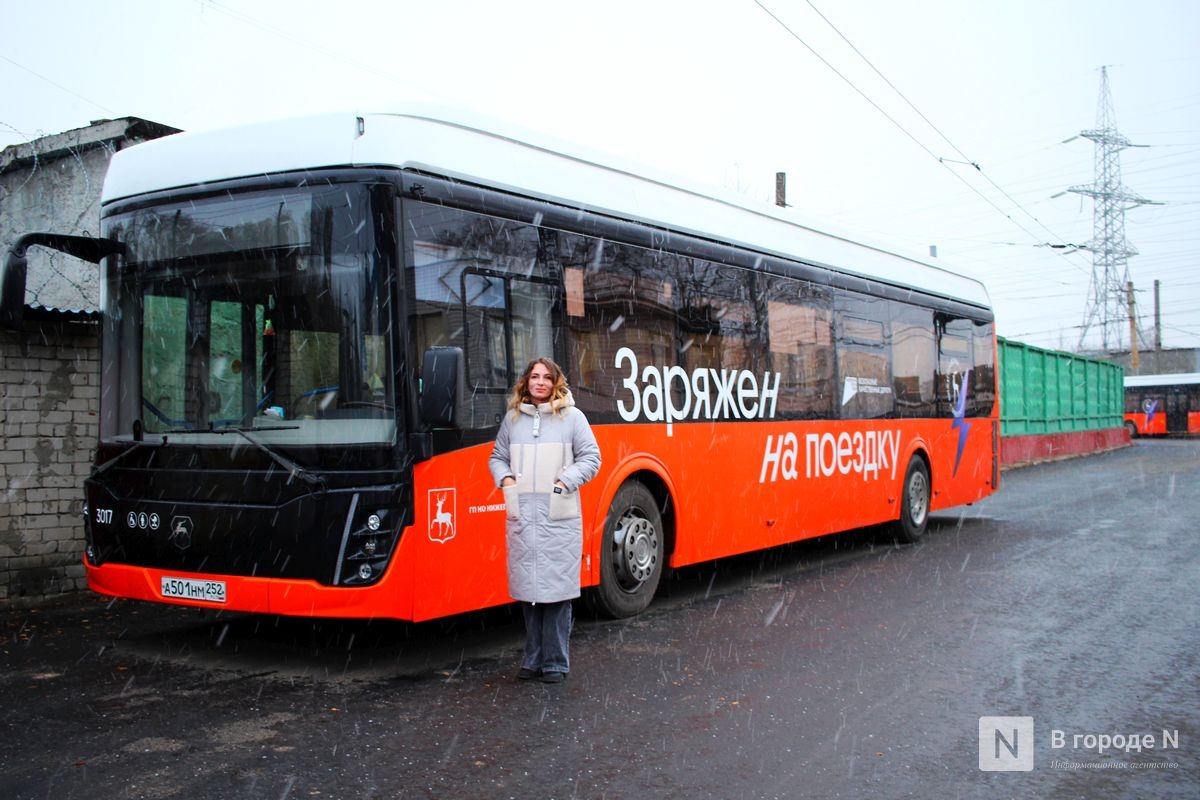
(845, 667)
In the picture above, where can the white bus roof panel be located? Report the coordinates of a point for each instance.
(1169, 379)
(467, 150)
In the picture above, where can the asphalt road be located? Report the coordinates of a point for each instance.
(846, 667)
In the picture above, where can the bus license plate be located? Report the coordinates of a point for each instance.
(188, 589)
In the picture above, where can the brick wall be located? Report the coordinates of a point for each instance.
(49, 390)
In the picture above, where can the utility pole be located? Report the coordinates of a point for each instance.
(781, 189)
(1133, 337)
(1110, 250)
(1157, 317)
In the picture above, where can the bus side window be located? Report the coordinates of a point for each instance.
(630, 303)
(800, 346)
(863, 358)
(477, 283)
(984, 383)
(718, 324)
(956, 365)
(914, 360)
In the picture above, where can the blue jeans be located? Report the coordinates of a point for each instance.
(547, 632)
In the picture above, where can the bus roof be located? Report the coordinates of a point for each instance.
(1166, 379)
(468, 150)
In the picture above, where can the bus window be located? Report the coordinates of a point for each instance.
(164, 332)
(956, 366)
(864, 374)
(914, 360)
(800, 337)
(477, 283)
(532, 313)
(718, 326)
(630, 304)
(232, 380)
(308, 371)
(984, 384)
(483, 331)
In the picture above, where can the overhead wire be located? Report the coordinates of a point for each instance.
(254, 22)
(942, 161)
(59, 86)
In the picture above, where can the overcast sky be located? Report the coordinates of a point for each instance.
(876, 109)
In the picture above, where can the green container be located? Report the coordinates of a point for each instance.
(1048, 391)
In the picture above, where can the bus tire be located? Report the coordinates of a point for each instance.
(914, 502)
(631, 553)
(1132, 428)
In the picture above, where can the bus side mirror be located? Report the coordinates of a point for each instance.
(443, 387)
(13, 272)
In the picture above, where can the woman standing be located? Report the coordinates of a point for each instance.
(544, 452)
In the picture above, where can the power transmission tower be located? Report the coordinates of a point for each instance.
(1106, 303)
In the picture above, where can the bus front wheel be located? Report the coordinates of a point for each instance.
(914, 502)
(631, 553)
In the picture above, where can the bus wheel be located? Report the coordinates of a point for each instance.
(631, 557)
(914, 502)
(1129, 426)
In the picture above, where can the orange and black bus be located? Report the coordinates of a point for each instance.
(310, 327)
(1158, 405)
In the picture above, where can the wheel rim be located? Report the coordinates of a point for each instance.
(634, 550)
(918, 497)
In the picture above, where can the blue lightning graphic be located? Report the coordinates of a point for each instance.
(960, 422)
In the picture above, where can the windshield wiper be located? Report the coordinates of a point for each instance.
(248, 428)
(279, 458)
(107, 465)
(291, 466)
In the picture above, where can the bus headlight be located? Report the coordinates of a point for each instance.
(370, 546)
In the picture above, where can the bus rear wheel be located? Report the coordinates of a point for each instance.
(914, 502)
(631, 553)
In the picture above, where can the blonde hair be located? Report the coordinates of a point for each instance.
(558, 393)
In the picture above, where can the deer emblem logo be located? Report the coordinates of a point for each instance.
(181, 532)
(441, 522)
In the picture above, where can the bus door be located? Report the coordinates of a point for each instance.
(1177, 410)
(504, 321)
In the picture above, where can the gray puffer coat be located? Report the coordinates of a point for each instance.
(544, 529)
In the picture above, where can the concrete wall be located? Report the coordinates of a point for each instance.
(60, 195)
(53, 184)
(49, 376)
(49, 371)
(1158, 362)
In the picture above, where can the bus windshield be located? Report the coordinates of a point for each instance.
(266, 312)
